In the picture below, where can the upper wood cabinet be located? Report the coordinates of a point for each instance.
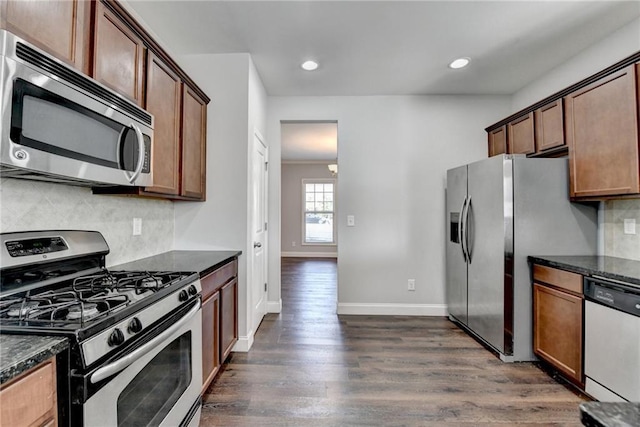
(498, 141)
(163, 100)
(521, 135)
(118, 54)
(549, 124)
(60, 27)
(602, 135)
(194, 134)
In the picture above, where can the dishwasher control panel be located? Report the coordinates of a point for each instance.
(621, 296)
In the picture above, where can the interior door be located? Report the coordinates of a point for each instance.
(490, 223)
(259, 162)
(456, 264)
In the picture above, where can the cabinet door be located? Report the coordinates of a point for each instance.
(210, 339)
(31, 400)
(194, 129)
(163, 99)
(521, 135)
(557, 330)
(118, 55)
(498, 141)
(61, 27)
(602, 135)
(228, 318)
(549, 126)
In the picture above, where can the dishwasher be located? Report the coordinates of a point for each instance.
(612, 340)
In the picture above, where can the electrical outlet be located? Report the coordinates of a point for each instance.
(351, 220)
(411, 284)
(137, 226)
(293, 244)
(629, 226)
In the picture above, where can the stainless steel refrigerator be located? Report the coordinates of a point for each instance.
(499, 211)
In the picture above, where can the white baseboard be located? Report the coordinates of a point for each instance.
(374, 309)
(309, 254)
(243, 344)
(274, 306)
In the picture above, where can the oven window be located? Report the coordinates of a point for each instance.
(154, 391)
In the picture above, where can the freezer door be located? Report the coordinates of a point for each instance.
(456, 265)
(490, 248)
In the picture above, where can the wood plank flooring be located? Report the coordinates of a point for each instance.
(310, 367)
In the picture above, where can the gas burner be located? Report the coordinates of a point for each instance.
(151, 283)
(83, 311)
(21, 309)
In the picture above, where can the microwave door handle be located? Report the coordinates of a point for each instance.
(122, 363)
(141, 154)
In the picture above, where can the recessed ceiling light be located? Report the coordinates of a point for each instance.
(309, 65)
(459, 63)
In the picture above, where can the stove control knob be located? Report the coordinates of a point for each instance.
(116, 338)
(135, 325)
(192, 290)
(183, 295)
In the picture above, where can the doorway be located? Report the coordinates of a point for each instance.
(309, 190)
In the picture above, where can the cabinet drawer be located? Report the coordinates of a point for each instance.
(566, 280)
(31, 398)
(214, 281)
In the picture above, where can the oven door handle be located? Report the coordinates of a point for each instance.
(122, 363)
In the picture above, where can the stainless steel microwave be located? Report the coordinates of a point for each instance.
(59, 125)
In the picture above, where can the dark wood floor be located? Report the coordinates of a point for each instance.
(310, 367)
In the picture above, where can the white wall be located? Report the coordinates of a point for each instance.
(291, 202)
(221, 221)
(393, 153)
(608, 51)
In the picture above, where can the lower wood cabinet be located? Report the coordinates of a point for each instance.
(31, 399)
(557, 321)
(210, 339)
(228, 318)
(219, 319)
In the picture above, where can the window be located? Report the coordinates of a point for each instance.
(318, 212)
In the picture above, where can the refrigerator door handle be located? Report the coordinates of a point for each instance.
(465, 219)
(461, 230)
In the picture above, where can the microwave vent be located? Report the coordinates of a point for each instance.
(11, 172)
(41, 61)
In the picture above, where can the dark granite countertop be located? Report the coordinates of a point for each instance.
(610, 414)
(202, 262)
(18, 353)
(604, 266)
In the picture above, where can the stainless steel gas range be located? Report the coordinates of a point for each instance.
(136, 353)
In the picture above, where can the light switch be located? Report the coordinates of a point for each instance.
(629, 226)
(351, 220)
(137, 226)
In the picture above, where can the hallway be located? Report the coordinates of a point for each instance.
(309, 367)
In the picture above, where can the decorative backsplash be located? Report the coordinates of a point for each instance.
(31, 205)
(616, 243)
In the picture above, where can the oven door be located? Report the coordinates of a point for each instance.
(154, 384)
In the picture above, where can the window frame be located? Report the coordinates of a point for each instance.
(303, 235)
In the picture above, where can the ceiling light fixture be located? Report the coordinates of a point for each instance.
(459, 63)
(309, 65)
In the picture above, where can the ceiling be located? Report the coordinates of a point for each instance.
(386, 47)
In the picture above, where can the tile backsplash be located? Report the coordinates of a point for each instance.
(31, 205)
(616, 242)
